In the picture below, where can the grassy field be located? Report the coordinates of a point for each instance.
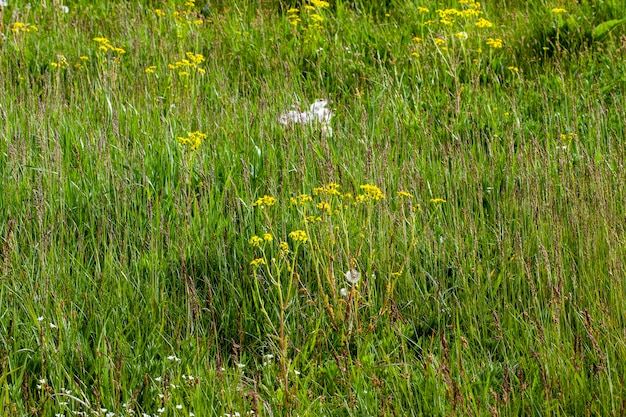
(456, 246)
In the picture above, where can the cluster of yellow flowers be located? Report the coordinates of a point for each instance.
(313, 15)
(495, 43)
(266, 200)
(256, 241)
(370, 192)
(19, 27)
(299, 236)
(189, 64)
(60, 63)
(105, 46)
(193, 140)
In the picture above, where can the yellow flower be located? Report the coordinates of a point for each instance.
(159, 12)
(514, 69)
(416, 39)
(255, 241)
(150, 69)
(462, 35)
(483, 23)
(320, 3)
(437, 200)
(194, 140)
(284, 248)
(372, 192)
(558, 10)
(84, 58)
(267, 237)
(494, 43)
(266, 200)
(439, 41)
(423, 9)
(299, 236)
(324, 206)
(405, 194)
(258, 261)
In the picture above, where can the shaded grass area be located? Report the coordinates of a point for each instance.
(491, 285)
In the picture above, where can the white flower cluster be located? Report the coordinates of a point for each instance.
(317, 113)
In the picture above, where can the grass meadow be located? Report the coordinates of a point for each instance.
(455, 246)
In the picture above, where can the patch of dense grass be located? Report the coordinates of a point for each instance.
(167, 247)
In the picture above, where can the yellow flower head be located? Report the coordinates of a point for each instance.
(405, 194)
(558, 10)
(320, 3)
(483, 23)
(266, 200)
(437, 200)
(299, 236)
(258, 261)
(255, 241)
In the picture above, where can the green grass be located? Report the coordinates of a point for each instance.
(494, 286)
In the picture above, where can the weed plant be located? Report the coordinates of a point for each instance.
(455, 247)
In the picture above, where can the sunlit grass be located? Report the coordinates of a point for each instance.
(446, 238)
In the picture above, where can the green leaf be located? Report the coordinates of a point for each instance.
(602, 30)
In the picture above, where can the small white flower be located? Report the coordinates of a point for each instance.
(191, 414)
(241, 365)
(295, 371)
(343, 292)
(65, 9)
(179, 406)
(53, 326)
(40, 318)
(353, 276)
(161, 410)
(4, 3)
(158, 379)
(173, 358)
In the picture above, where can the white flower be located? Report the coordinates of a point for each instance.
(179, 406)
(353, 276)
(343, 292)
(161, 410)
(65, 9)
(173, 358)
(53, 326)
(318, 112)
(158, 379)
(240, 365)
(40, 318)
(4, 3)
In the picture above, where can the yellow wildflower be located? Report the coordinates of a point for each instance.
(558, 10)
(284, 248)
(266, 200)
(267, 237)
(421, 9)
(299, 236)
(405, 194)
(159, 12)
(437, 200)
(495, 43)
(372, 192)
(150, 69)
(258, 261)
(320, 3)
(483, 23)
(255, 241)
